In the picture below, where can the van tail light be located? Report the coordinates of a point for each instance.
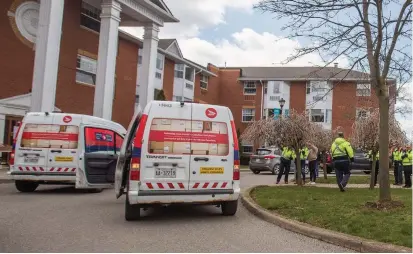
(135, 169)
(13, 149)
(135, 165)
(236, 172)
(269, 157)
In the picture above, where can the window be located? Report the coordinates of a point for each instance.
(86, 70)
(319, 86)
(263, 152)
(275, 98)
(104, 141)
(247, 149)
(139, 59)
(248, 115)
(319, 97)
(90, 17)
(329, 114)
(182, 136)
(308, 88)
(265, 88)
(50, 136)
(187, 99)
(250, 88)
(158, 75)
(159, 63)
(179, 71)
(189, 74)
(362, 113)
(317, 115)
(137, 98)
(189, 86)
(276, 88)
(363, 89)
(204, 82)
(178, 98)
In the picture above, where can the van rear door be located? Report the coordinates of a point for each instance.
(63, 152)
(32, 145)
(166, 147)
(99, 154)
(212, 157)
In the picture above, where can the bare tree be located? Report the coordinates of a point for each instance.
(294, 131)
(374, 35)
(365, 135)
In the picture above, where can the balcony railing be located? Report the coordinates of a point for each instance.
(249, 97)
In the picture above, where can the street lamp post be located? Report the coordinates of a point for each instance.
(282, 103)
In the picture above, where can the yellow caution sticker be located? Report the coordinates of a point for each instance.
(212, 170)
(63, 158)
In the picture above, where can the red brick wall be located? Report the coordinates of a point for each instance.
(17, 58)
(211, 95)
(168, 79)
(297, 96)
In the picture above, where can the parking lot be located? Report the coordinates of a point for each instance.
(61, 219)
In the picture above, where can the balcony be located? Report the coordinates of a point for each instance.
(249, 97)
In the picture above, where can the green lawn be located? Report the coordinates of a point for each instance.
(342, 211)
(353, 179)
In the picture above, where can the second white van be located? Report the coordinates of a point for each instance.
(58, 148)
(179, 152)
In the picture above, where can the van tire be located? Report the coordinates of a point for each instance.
(25, 186)
(132, 212)
(256, 172)
(229, 208)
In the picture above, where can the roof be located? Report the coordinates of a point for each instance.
(165, 43)
(160, 5)
(301, 73)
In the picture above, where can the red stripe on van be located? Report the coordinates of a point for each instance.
(27, 168)
(149, 185)
(50, 136)
(196, 185)
(160, 185)
(224, 185)
(214, 185)
(41, 169)
(205, 185)
(182, 136)
(181, 185)
(171, 185)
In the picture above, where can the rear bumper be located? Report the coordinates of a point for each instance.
(48, 177)
(180, 197)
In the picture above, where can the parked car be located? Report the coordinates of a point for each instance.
(268, 159)
(361, 162)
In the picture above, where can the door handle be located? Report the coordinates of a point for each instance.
(201, 159)
(56, 151)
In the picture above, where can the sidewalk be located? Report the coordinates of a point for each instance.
(332, 185)
(3, 174)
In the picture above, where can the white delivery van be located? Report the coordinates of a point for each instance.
(179, 152)
(58, 148)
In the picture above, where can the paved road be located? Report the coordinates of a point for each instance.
(61, 219)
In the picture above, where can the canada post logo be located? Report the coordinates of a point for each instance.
(211, 113)
(67, 119)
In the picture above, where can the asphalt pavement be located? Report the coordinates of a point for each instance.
(62, 219)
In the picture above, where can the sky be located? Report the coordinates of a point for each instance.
(231, 32)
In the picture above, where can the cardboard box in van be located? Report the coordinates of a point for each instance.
(223, 128)
(199, 146)
(213, 149)
(168, 147)
(223, 149)
(182, 148)
(197, 126)
(199, 152)
(178, 125)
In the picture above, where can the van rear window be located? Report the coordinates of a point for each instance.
(99, 140)
(180, 136)
(50, 136)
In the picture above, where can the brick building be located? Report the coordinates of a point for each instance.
(250, 92)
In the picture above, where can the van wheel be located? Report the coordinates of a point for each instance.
(229, 208)
(132, 212)
(256, 172)
(26, 186)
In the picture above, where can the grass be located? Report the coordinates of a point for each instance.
(353, 179)
(342, 211)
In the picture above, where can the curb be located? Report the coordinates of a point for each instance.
(6, 181)
(340, 239)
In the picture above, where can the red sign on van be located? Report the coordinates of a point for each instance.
(67, 119)
(211, 113)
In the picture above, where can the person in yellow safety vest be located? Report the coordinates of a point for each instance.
(303, 157)
(287, 156)
(342, 154)
(398, 170)
(370, 156)
(407, 158)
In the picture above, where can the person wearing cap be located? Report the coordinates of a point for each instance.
(287, 156)
(407, 157)
(342, 154)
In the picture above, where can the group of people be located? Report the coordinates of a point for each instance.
(343, 155)
(309, 153)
